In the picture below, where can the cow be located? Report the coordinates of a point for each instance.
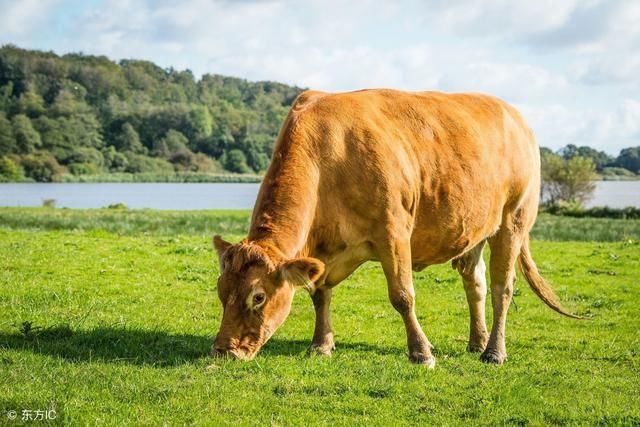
(407, 179)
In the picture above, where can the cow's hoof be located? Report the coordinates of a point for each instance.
(320, 349)
(423, 359)
(476, 348)
(493, 356)
(477, 343)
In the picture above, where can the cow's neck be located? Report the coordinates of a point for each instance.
(286, 204)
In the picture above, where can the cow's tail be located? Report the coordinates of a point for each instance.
(537, 282)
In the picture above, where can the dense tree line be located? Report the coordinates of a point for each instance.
(568, 175)
(83, 114)
(86, 115)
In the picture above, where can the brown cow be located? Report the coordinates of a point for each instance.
(407, 179)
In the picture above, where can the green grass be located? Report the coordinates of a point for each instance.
(111, 321)
(202, 222)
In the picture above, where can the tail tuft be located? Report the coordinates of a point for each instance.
(537, 282)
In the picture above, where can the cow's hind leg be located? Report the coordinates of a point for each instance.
(505, 247)
(472, 270)
(396, 263)
(322, 342)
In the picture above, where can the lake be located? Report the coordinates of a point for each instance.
(212, 196)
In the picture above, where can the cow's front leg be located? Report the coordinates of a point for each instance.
(396, 263)
(322, 343)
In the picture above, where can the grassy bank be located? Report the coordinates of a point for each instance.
(168, 223)
(108, 316)
(154, 177)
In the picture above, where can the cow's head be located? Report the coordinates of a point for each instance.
(256, 288)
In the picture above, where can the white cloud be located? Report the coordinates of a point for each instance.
(512, 81)
(556, 126)
(500, 17)
(571, 64)
(20, 18)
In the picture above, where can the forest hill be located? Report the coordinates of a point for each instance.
(88, 115)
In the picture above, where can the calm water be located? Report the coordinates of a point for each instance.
(134, 195)
(212, 196)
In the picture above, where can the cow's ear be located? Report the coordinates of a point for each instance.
(221, 246)
(302, 272)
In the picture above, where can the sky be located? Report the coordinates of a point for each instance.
(571, 67)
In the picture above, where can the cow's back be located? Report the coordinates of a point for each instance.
(441, 166)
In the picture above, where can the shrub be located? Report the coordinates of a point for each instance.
(9, 171)
(235, 161)
(84, 169)
(616, 172)
(205, 164)
(114, 160)
(48, 203)
(138, 163)
(119, 206)
(41, 166)
(566, 180)
(575, 211)
(87, 155)
(182, 159)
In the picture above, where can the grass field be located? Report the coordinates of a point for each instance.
(108, 316)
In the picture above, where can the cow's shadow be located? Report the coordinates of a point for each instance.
(144, 347)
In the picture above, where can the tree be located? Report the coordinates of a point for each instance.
(172, 142)
(7, 139)
(629, 158)
(76, 104)
(235, 161)
(566, 180)
(56, 138)
(129, 140)
(86, 161)
(113, 160)
(600, 158)
(31, 104)
(27, 138)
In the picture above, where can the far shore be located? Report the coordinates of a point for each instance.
(186, 177)
(152, 178)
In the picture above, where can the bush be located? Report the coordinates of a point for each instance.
(575, 211)
(566, 180)
(614, 173)
(9, 171)
(119, 206)
(49, 203)
(114, 160)
(235, 161)
(88, 155)
(84, 169)
(41, 166)
(205, 164)
(182, 160)
(138, 163)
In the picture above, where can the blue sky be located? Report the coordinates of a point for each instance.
(572, 67)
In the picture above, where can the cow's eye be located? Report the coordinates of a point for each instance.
(258, 298)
